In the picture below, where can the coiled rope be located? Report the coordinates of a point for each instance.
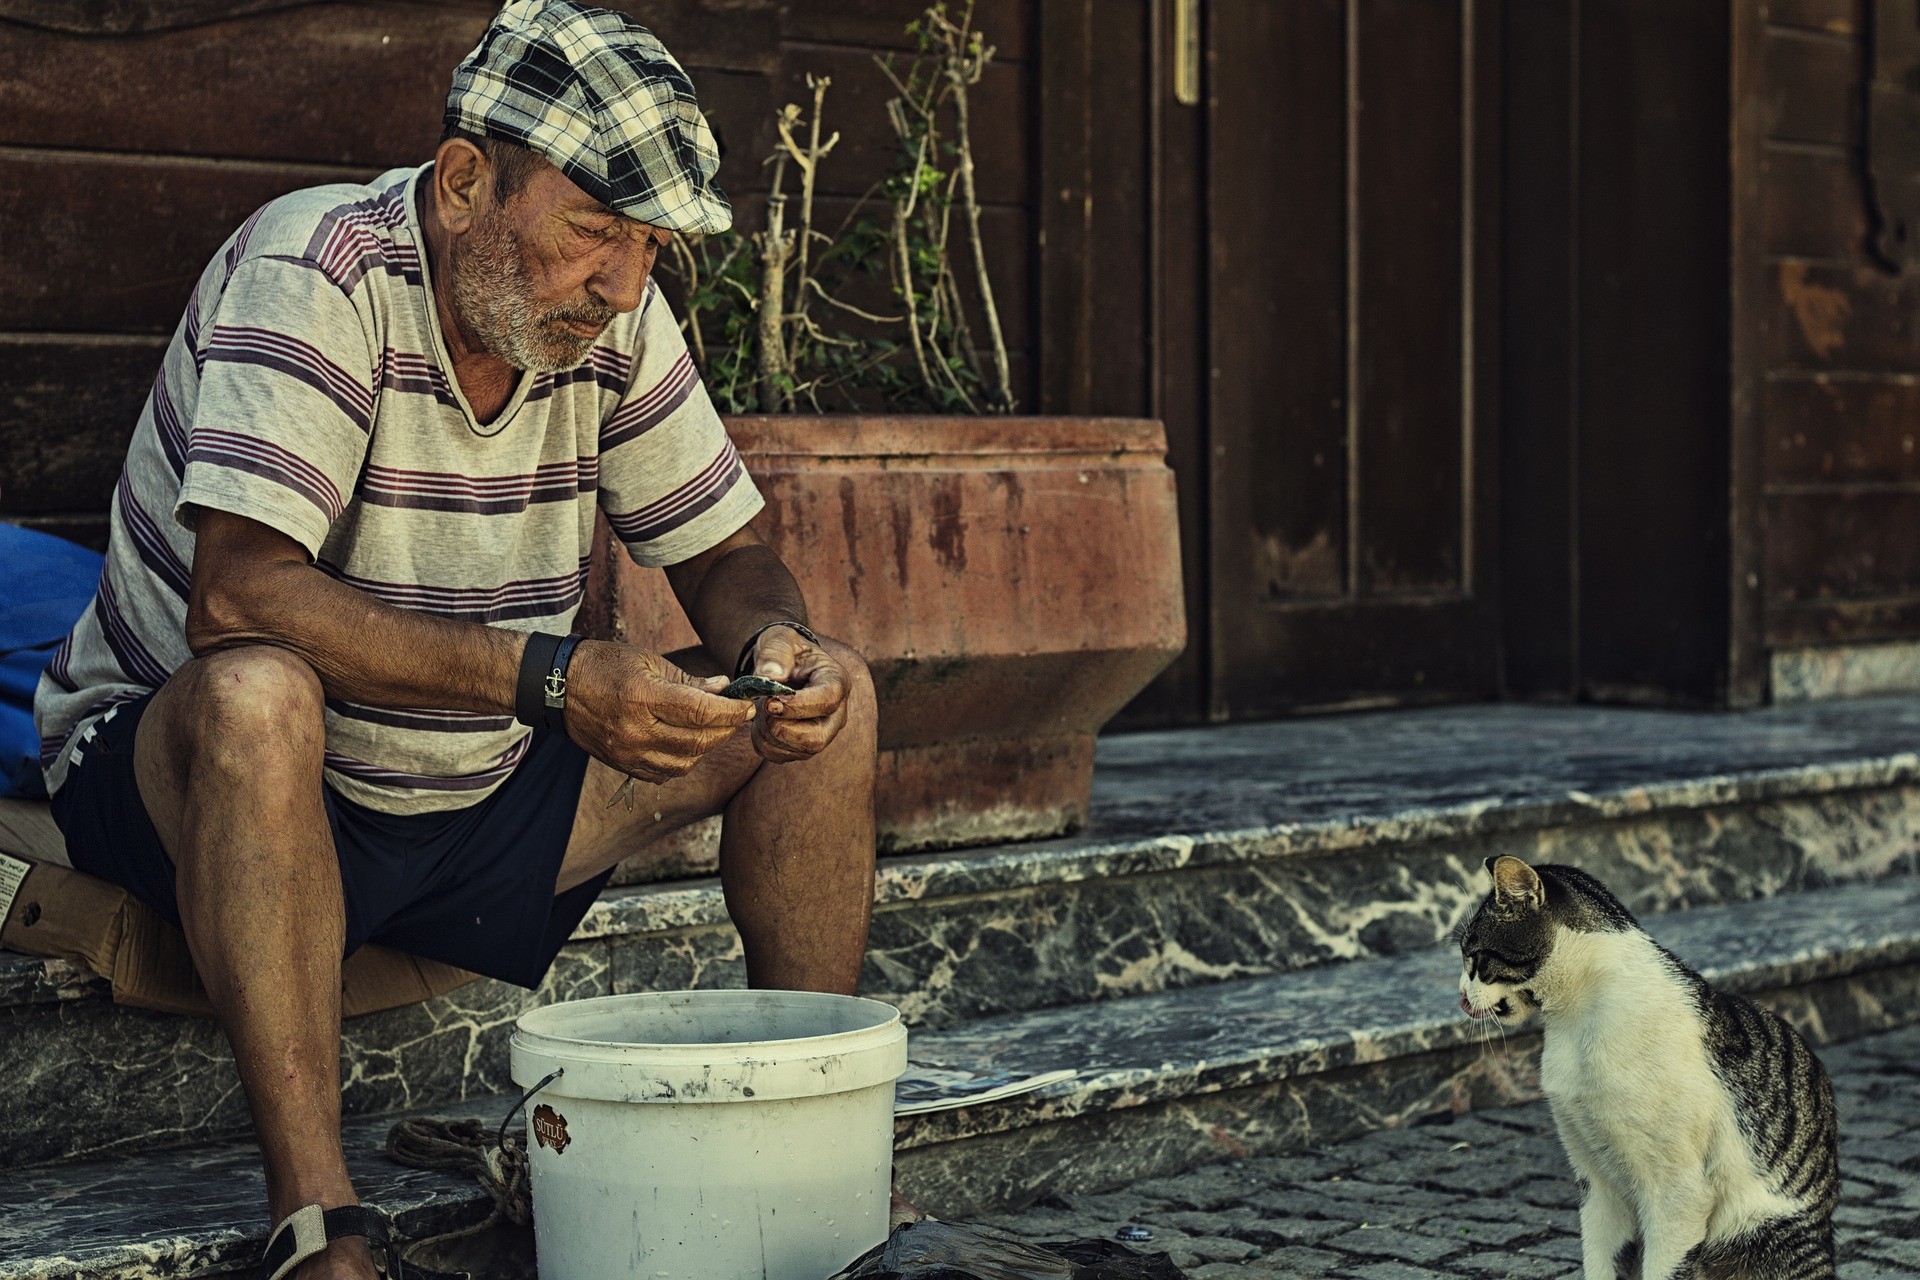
(497, 1161)
(468, 1148)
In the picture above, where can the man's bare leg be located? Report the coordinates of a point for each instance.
(228, 758)
(797, 843)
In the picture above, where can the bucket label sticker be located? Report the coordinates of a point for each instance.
(550, 1128)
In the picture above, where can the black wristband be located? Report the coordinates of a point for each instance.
(529, 697)
(746, 653)
(554, 689)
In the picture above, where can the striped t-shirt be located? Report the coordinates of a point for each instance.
(308, 387)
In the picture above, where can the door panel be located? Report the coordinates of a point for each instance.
(1278, 328)
(1349, 177)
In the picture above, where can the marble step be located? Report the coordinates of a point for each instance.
(1167, 1082)
(1212, 855)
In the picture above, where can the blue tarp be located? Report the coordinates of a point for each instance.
(46, 583)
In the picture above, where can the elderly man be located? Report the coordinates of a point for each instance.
(325, 695)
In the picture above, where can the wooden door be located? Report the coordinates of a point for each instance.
(1350, 191)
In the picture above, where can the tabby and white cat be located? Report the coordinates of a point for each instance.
(1701, 1126)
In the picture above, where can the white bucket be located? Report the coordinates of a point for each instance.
(709, 1135)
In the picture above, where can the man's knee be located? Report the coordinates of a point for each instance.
(257, 703)
(862, 703)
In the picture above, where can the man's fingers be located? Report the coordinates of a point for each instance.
(769, 740)
(786, 739)
(683, 740)
(776, 652)
(822, 687)
(681, 676)
(699, 708)
(809, 703)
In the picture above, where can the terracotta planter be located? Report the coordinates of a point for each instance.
(1012, 583)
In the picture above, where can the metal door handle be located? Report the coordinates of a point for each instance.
(1186, 52)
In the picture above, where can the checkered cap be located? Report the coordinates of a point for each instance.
(603, 101)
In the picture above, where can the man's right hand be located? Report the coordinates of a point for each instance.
(640, 714)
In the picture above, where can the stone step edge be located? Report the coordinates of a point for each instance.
(907, 879)
(1761, 945)
(1765, 945)
(640, 910)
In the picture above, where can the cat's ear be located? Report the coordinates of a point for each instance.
(1516, 882)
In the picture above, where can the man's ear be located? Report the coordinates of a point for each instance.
(1516, 882)
(460, 171)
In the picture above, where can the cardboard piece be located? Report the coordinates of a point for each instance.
(66, 914)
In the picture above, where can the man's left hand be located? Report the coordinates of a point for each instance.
(801, 724)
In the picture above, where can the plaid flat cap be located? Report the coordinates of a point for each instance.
(602, 100)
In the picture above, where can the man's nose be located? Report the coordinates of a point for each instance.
(622, 277)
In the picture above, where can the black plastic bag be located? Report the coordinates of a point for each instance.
(930, 1250)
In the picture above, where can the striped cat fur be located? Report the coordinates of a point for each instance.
(1701, 1126)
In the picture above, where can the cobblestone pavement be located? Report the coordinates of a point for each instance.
(1487, 1195)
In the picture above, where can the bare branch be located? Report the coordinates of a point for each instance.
(906, 291)
(775, 245)
(832, 301)
(957, 73)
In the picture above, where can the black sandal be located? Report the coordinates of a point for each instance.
(308, 1231)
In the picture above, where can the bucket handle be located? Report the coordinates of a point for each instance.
(555, 1074)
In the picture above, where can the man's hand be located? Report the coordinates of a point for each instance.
(639, 713)
(801, 724)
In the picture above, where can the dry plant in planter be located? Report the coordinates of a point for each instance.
(769, 316)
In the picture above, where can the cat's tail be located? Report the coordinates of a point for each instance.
(1798, 1247)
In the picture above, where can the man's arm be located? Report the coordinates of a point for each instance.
(733, 589)
(253, 585)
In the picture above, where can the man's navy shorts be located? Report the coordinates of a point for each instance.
(470, 887)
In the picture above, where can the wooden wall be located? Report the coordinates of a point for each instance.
(1616, 494)
(136, 134)
(1834, 383)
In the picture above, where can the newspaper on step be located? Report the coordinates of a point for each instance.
(935, 1086)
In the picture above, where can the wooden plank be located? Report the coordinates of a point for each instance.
(1123, 222)
(62, 248)
(1851, 430)
(1179, 360)
(1842, 545)
(1065, 207)
(1277, 173)
(121, 17)
(1836, 17)
(1814, 205)
(69, 405)
(1822, 317)
(110, 244)
(1539, 330)
(1842, 621)
(1654, 364)
(1007, 25)
(856, 109)
(1409, 437)
(729, 35)
(1748, 665)
(1814, 88)
(293, 85)
(739, 108)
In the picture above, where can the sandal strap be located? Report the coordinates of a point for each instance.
(310, 1229)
